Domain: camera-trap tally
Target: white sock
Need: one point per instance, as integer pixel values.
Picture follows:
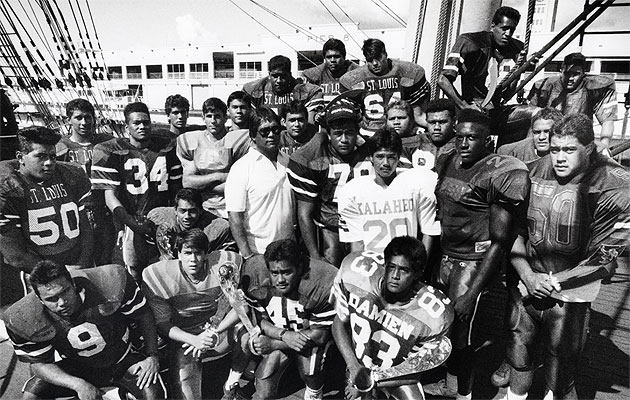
(464, 396)
(513, 396)
(233, 378)
(314, 393)
(451, 381)
(549, 395)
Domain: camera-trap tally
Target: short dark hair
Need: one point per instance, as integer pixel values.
(81, 105)
(261, 115)
(401, 105)
(213, 104)
(279, 62)
(194, 238)
(176, 100)
(46, 271)
(385, 138)
(373, 49)
(410, 248)
(579, 126)
(507, 12)
(334, 44)
(439, 105)
(287, 250)
(239, 95)
(36, 135)
(135, 107)
(475, 117)
(547, 113)
(293, 107)
(190, 195)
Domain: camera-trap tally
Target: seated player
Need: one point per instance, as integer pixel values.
(374, 209)
(187, 214)
(319, 170)
(371, 292)
(383, 81)
(297, 132)
(83, 315)
(561, 265)
(185, 296)
(295, 318)
(42, 205)
(537, 144)
(418, 150)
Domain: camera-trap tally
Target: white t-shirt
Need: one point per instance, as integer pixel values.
(261, 190)
(374, 215)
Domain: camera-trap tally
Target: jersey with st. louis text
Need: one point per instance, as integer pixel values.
(309, 310)
(316, 174)
(46, 214)
(262, 94)
(78, 153)
(404, 80)
(321, 76)
(464, 197)
(383, 334)
(143, 178)
(374, 215)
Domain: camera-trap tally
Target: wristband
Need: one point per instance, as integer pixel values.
(282, 332)
(249, 256)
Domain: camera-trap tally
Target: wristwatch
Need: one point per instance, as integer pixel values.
(282, 332)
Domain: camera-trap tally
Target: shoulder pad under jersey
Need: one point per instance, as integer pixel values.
(27, 319)
(106, 283)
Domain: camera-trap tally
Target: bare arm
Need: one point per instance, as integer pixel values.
(214, 180)
(538, 284)
(420, 117)
(87, 240)
(148, 369)
(430, 244)
(343, 339)
(306, 212)
(237, 226)
(16, 253)
(608, 128)
(357, 246)
(51, 373)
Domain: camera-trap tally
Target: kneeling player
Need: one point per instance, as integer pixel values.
(84, 316)
(185, 295)
(385, 313)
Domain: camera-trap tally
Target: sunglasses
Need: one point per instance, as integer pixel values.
(270, 129)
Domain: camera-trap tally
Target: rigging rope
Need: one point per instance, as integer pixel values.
(420, 25)
(351, 20)
(393, 16)
(440, 47)
(340, 24)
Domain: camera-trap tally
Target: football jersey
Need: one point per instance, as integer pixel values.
(322, 77)
(404, 80)
(210, 155)
(374, 215)
(418, 151)
(78, 153)
(464, 197)
(143, 178)
(178, 301)
(524, 150)
(316, 174)
(46, 214)
(571, 222)
(97, 335)
(384, 334)
(310, 309)
(262, 94)
(595, 95)
(288, 145)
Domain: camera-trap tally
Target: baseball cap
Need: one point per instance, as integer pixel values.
(342, 109)
(574, 59)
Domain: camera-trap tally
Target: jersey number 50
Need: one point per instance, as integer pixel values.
(44, 230)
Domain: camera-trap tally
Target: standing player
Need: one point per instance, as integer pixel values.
(239, 110)
(384, 81)
(280, 88)
(177, 107)
(185, 294)
(537, 145)
(370, 292)
(375, 209)
(327, 74)
(297, 132)
(586, 197)
(575, 92)
(42, 205)
(208, 155)
(319, 170)
(441, 117)
(478, 196)
(417, 149)
(84, 316)
(136, 176)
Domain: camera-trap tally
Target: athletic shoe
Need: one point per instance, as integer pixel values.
(440, 389)
(501, 377)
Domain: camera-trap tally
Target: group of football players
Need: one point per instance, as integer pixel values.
(342, 207)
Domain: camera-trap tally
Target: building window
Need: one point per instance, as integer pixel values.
(199, 71)
(223, 65)
(154, 71)
(175, 71)
(619, 67)
(114, 72)
(134, 72)
(250, 69)
(304, 63)
(136, 92)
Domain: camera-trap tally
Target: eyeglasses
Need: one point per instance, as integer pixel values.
(565, 149)
(276, 130)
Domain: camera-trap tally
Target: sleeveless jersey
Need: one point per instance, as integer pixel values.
(374, 215)
(262, 94)
(321, 76)
(77, 153)
(311, 309)
(464, 197)
(46, 214)
(97, 335)
(384, 334)
(404, 80)
(316, 174)
(177, 300)
(144, 178)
